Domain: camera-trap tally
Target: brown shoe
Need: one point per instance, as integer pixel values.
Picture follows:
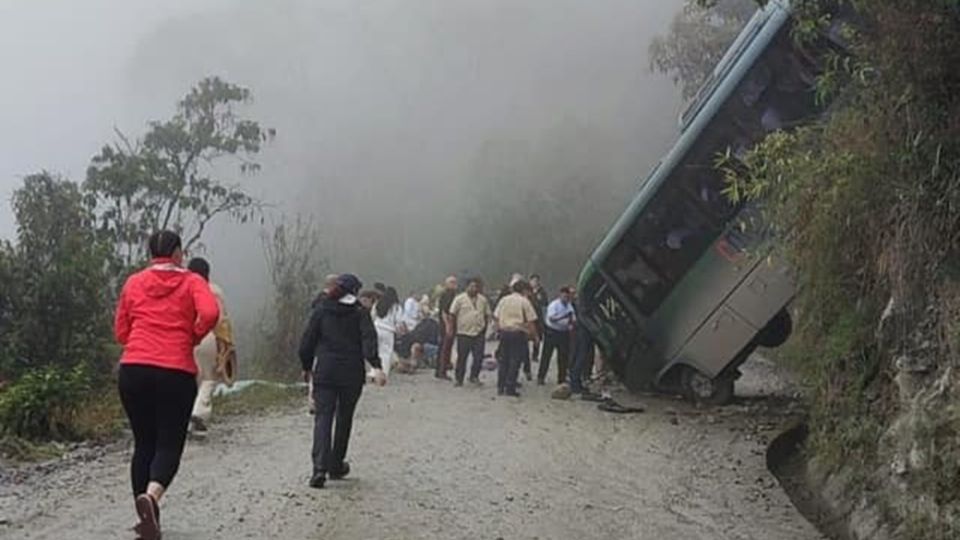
(149, 526)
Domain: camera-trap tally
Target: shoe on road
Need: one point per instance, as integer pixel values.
(591, 396)
(475, 381)
(318, 480)
(148, 511)
(341, 473)
(197, 424)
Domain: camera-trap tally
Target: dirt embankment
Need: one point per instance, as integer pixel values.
(433, 461)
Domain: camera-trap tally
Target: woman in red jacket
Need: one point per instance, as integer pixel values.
(163, 313)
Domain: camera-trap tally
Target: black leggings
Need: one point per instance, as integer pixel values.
(158, 403)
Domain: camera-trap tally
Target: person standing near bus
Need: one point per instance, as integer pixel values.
(559, 324)
(446, 324)
(471, 316)
(339, 338)
(540, 300)
(516, 322)
(163, 312)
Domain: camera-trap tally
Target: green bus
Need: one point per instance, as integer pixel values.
(676, 296)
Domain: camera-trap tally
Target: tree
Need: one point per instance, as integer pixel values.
(53, 309)
(698, 37)
(296, 271)
(169, 178)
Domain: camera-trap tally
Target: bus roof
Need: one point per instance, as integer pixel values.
(730, 71)
(726, 63)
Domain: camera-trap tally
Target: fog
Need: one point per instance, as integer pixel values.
(399, 122)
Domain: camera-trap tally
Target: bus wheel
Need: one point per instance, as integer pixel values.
(776, 332)
(703, 390)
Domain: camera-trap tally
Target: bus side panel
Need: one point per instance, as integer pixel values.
(717, 342)
(764, 293)
(708, 283)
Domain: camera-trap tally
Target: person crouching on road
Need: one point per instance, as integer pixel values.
(340, 336)
(516, 322)
(163, 312)
(216, 354)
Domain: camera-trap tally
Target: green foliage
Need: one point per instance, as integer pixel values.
(866, 207)
(698, 37)
(74, 245)
(54, 316)
(44, 402)
(168, 179)
(52, 307)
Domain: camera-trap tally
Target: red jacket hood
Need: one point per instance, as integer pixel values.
(164, 278)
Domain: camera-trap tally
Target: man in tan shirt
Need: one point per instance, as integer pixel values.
(517, 323)
(216, 355)
(471, 315)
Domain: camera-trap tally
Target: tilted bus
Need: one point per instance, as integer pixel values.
(676, 295)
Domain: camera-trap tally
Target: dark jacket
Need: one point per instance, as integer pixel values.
(340, 337)
(541, 303)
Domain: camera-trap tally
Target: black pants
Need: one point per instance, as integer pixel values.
(527, 364)
(443, 355)
(583, 353)
(534, 356)
(561, 342)
(158, 403)
(329, 449)
(513, 349)
(469, 346)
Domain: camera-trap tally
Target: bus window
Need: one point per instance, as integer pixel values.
(636, 277)
(672, 233)
(705, 185)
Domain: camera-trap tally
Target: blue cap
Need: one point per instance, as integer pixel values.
(349, 283)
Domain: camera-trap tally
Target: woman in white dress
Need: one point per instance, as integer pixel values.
(388, 320)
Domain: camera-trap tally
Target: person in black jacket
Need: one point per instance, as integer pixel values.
(340, 336)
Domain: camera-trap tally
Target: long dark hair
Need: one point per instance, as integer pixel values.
(387, 301)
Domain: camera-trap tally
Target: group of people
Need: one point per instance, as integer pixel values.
(178, 344)
(526, 323)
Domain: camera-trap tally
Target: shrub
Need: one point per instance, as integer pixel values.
(44, 403)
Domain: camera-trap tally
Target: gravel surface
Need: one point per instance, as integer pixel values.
(432, 461)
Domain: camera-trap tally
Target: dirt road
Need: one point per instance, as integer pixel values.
(436, 462)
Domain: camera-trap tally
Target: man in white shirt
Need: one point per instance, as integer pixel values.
(559, 322)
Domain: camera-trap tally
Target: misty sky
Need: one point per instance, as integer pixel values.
(382, 107)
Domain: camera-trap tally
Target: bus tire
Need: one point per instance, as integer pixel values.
(777, 330)
(702, 390)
